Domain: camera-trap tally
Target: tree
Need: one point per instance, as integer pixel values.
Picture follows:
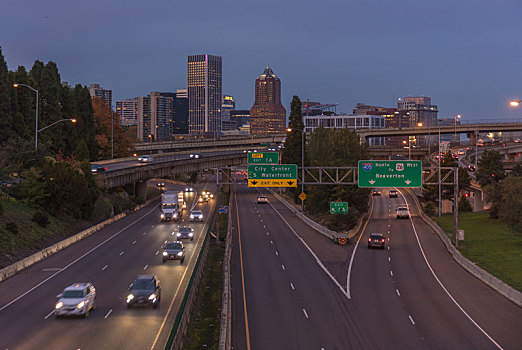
(490, 169)
(517, 171)
(511, 203)
(81, 152)
(292, 151)
(6, 117)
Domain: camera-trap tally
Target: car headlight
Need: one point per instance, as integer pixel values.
(179, 234)
(152, 296)
(162, 216)
(80, 304)
(190, 234)
(58, 305)
(180, 254)
(130, 297)
(165, 253)
(192, 216)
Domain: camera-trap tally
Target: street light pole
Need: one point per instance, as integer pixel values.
(440, 187)
(302, 168)
(37, 99)
(112, 133)
(457, 116)
(56, 122)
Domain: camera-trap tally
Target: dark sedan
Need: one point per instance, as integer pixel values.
(376, 240)
(145, 290)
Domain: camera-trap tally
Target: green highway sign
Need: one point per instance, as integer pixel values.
(263, 157)
(338, 207)
(272, 171)
(390, 173)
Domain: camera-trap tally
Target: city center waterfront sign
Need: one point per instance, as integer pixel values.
(390, 173)
(263, 157)
(272, 175)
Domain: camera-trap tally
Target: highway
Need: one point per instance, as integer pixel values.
(410, 295)
(110, 259)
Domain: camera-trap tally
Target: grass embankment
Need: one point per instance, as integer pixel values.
(490, 244)
(203, 330)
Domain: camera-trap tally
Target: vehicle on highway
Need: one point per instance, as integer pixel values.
(376, 240)
(97, 168)
(145, 159)
(174, 251)
(262, 200)
(196, 215)
(376, 193)
(203, 199)
(160, 184)
(516, 140)
(208, 194)
(403, 213)
(393, 194)
(189, 189)
(185, 232)
(170, 206)
(145, 290)
(471, 167)
(76, 300)
(195, 155)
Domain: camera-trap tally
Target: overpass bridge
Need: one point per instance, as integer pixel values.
(471, 130)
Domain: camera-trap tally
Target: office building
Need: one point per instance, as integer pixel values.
(128, 111)
(420, 110)
(97, 91)
(180, 112)
(145, 123)
(204, 81)
(267, 115)
(352, 122)
(229, 104)
(161, 113)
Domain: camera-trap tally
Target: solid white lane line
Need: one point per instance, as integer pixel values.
(157, 252)
(391, 273)
(108, 313)
(121, 253)
(306, 315)
(74, 261)
(277, 253)
(146, 267)
(134, 242)
(49, 314)
(283, 266)
(399, 294)
(103, 268)
(166, 241)
(411, 319)
(292, 285)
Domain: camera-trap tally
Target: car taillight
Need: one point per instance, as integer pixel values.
(369, 239)
(382, 240)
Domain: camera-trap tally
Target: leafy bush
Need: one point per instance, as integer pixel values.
(102, 210)
(12, 227)
(1, 209)
(41, 218)
(464, 205)
(429, 208)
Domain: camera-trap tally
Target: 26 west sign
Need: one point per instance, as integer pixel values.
(390, 173)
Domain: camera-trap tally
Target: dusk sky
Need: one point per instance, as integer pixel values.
(465, 54)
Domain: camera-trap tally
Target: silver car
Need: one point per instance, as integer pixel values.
(196, 215)
(76, 300)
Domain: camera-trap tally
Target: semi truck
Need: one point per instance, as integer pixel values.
(170, 207)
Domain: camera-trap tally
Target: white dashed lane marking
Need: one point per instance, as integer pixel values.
(292, 285)
(121, 253)
(146, 267)
(306, 315)
(108, 313)
(391, 273)
(103, 268)
(277, 253)
(283, 266)
(411, 319)
(134, 242)
(399, 294)
(49, 314)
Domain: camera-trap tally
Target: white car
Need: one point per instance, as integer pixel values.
(262, 200)
(403, 213)
(76, 300)
(145, 159)
(189, 189)
(195, 155)
(196, 215)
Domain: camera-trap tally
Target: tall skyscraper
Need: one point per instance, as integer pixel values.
(128, 111)
(267, 115)
(97, 91)
(229, 104)
(180, 113)
(145, 123)
(204, 81)
(420, 110)
(161, 113)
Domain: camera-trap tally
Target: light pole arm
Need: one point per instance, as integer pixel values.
(27, 86)
(61, 120)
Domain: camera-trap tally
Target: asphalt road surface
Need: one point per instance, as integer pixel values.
(110, 259)
(411, 295)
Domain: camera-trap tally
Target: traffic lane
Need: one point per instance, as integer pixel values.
(15, 286)
(499, 317)
(77, 275)
(318, 309)
(332, 255)
(374, 294)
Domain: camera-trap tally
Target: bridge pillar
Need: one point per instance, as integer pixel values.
(472, 138)
(476, 200)
(226, 175)
(141, 189)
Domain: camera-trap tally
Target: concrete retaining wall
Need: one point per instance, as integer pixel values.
(42, 254)
(225, 332)
(512, 294)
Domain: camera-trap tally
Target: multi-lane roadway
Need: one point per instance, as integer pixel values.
(110, 259)
(295, 289)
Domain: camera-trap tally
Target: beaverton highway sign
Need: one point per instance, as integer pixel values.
(272, 175)
(390, 173)
(263, 157)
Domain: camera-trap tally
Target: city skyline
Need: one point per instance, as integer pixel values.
(464, 55)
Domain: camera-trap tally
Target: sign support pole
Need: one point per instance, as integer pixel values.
(456, 207)
(302, 168)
